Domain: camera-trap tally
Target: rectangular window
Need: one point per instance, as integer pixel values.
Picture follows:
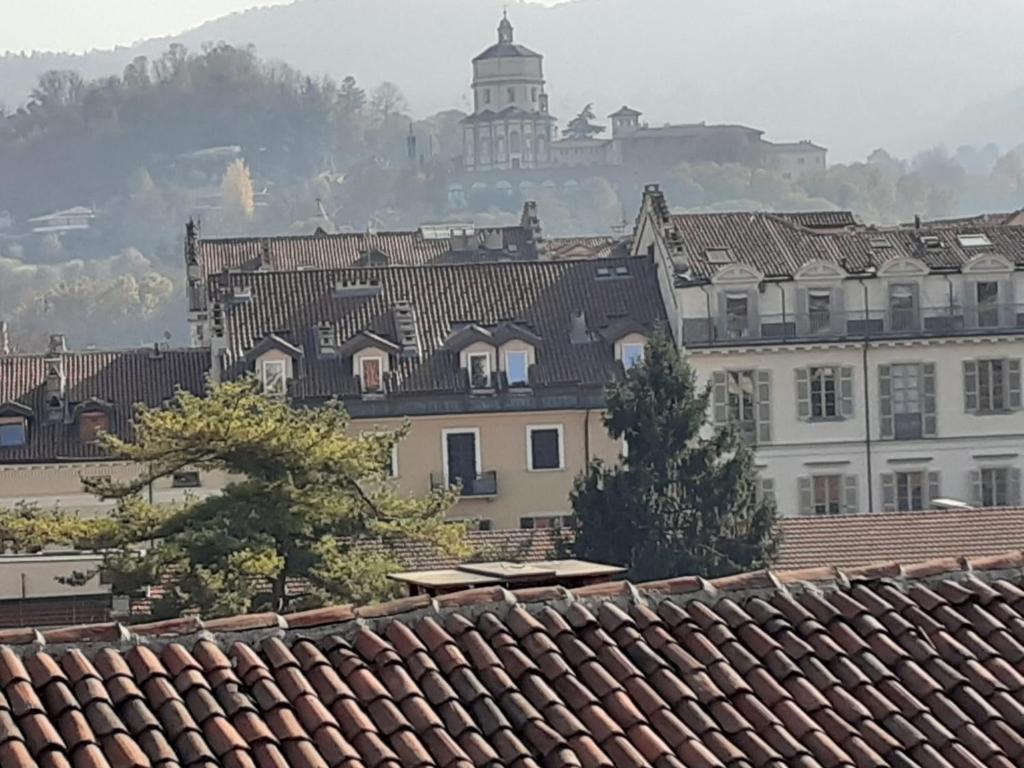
(13, 433)
(479, 370)
(511, 95)
(185, 480)
(987, 294)
(533, 94)
(910, 494)
(545, 448)
(741, 412)
(995, 487)
(827, 490)
(370, 374)
(90, 425)
(517, 368)
(736, 316)
(903, 307)
(632, 355)
(823, 392)
(487, 95)
(274, 377)
(533, 522)
(819, 311)
(906, 401)
(992, 386)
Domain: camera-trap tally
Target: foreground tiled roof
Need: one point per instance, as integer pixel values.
(852, 540)
(914, 666)
(122, 379)
(326, 251)
(540, 296)
(779, 244)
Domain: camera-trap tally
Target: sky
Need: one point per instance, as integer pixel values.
(82, 25)
(79, 25)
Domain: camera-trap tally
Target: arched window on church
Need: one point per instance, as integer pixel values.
(541, 151)
(485, 149)
(533, 95)
(501, 148)
(513, 143)
(511, 94)
(487, 95)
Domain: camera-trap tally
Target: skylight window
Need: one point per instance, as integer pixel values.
(719, 256)
(974, 240)
(879, 242)
(931, 241)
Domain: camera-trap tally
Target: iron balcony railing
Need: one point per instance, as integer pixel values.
(857, 324)
(484, 484)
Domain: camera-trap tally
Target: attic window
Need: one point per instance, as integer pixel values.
(13, 432)
(91, 424)
(604, 273)
(186, 479)
(621, 271)
(974, 240)
(325, 338)
(931, 241)
(718, 256)
(879, 242)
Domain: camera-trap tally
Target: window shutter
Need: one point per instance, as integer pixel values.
(803, 320)
(929, 426)
(1007, 309)
(846, 392)
(723, 322)
(970, 386)
(763, 379)
(933, 489)
(915, 291)
(969, 302)
(806, 497)
(753, 317)
(720, 397)
(767, 489)
(803, 394)
(850, 505)
(1013, 382)
(838, 310)
(885, 401)
(974, 481)
(889, 492)
(1013, 481)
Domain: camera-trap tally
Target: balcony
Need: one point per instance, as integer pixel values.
(858, 324)
(481, 486)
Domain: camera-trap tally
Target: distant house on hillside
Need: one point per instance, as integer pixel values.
(79, 218)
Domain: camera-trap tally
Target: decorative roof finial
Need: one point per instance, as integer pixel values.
(505, 28)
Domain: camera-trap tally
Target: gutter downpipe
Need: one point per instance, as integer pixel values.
(867, 401)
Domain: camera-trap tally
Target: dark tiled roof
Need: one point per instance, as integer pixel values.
(778, 244)
(521, 546)
(324, 251)
(916, 667)
(541, 296)
(851, 540)
(120, 378)
(507, 50)
(596, 247)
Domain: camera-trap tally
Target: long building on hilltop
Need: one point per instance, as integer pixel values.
(874, 369)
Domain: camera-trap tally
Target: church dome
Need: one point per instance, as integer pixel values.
(506, 47)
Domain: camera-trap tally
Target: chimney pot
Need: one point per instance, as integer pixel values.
(57, 344)
(5, 339)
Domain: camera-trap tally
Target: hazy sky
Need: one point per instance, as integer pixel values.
(76, 25)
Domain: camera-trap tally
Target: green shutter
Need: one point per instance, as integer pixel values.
(889, 492)
(763, 404)
(846, 392)
(970, 386)
(974, 482)
(803, 394)
(929, 425)
(933, 489)
(720, 397)
(1013, 383)
(766, 487)
(850, 504)
(1013, 481)
(806, 496)
(886, 421)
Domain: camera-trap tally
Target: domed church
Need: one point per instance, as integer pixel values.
(510, 127)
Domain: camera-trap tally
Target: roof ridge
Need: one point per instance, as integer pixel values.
(340, 619)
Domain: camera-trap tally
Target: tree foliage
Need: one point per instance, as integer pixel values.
(236, 191)
(281, 536)
(683, 501)
(582, 126)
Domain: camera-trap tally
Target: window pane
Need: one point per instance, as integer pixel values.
(823, 393)
(516, 368)
(544, 449)
(371, 375)
(909, 491)
(819, 305)
(826, 495)
(12, 435)
(736, 316)
(273, 377)
(632, 354)
(479, 371)
(90, 425)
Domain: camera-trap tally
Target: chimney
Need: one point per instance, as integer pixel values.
(917, 221)
(156, 353)
(494, 240)
(5, 339)
(530, 221)
(578, 333)
(55, 386)
(265, 253)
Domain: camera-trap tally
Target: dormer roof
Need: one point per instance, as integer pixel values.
(272, 342)
(367, 340)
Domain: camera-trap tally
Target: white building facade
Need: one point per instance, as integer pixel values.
(874, 370)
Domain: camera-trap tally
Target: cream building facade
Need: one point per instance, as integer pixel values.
(873, 369)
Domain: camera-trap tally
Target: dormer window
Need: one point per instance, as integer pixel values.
(819, 310)
(737, 315)
(91, 424)
(479, 367)
(325, 338)
(632, 354)
(13, 432)
(274, 375)
(988, 303)
(371, 375)
(517, 368)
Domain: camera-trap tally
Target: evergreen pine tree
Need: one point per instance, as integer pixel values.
(683, 501)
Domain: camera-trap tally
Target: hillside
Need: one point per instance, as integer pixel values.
(796, 68)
